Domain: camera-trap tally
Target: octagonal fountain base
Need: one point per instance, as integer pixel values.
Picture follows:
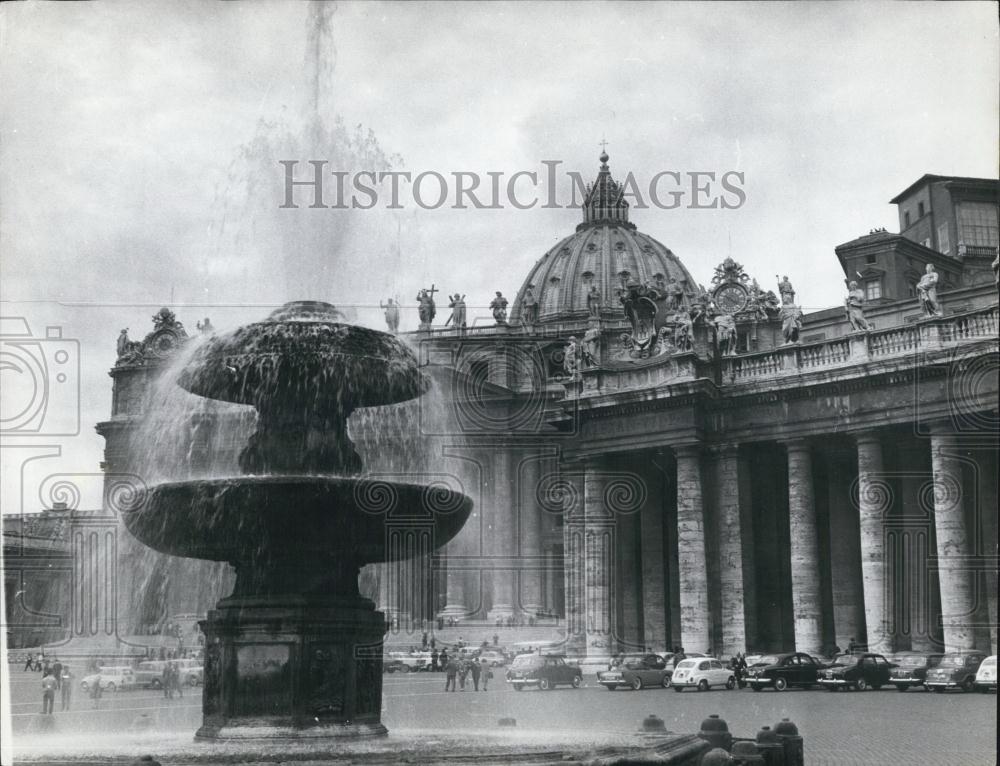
(307, 670)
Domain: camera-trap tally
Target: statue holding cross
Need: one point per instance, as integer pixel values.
(427, 307)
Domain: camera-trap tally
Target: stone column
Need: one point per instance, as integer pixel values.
(500, 528)
(845, 553)
(653, 580)
(550, 579)
(734, 637)
(806, 604)
(529, 524)
(573, 554)
(691, 555)
(455, 603)
(954, 564)
(599, 564)
(874, 501)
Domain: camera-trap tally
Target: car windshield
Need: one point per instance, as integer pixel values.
(953, 661)
(687, 664)
(911, 660)
(524, 661)
(767, 659)
(989, 662)
(846, 660)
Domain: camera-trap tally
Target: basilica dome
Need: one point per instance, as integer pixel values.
(606, 250)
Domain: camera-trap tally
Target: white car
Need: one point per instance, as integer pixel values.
(702, 673)
(112, 679)
(986, 676)
(493, 657)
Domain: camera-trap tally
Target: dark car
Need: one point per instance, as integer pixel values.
(857, 671)
(543, 671)
(911, 669)
(636, 671)
(955, 671)
(784, 670)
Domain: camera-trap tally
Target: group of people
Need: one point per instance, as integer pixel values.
(55, 678)
(459, 668)
(170, 680)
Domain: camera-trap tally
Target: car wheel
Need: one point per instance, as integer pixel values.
(832, 688)
(111, 687)
(84, 686)
(902, 687)
(577, 682)
(610, 687)
(968, 684)
(731, 683)
(755, 687)
(939, 690)
(780, 684)
(636, 684)
(666, 682)
(678, 689)
(543, 684)
(518, 687)
(860, 685)
(156, 683)
(404, 669)
(703, 685)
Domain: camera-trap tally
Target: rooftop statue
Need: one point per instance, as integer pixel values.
(391, 308)
(427, 308)
(592, 347)
(927, 292)
(594, 302)
(499, 308)
(786, 291)
(456, 303)
(205, 327)
(855, 305)
(725, 333)
(529, 307)
(791, 322)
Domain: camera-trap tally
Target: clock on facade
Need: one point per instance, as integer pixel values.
(731, 298)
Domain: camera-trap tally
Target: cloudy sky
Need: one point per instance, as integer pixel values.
(139, 148)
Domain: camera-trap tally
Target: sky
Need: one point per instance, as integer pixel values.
(140, 147)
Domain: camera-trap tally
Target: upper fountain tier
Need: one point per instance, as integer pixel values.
(305, 372)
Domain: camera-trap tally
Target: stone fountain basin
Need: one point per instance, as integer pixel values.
(242, 518)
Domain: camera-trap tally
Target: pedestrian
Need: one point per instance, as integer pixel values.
(48, 693)
(167, 681)
(66, 686)
(476, 670)
(29, 663)
(95, 690)
(178, 684)
(57, 671)
(496, 640)
(46, 669)
(487, 673)
(434, 661)
(463, 673)
(423, 641)
(851, 646)
(451, 671)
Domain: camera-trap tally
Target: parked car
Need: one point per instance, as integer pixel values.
(149, 674)
(955, 671)
(543, 671)
(636, 671)
(494, 657)
(193, 676)
(702, 674)
(911, 669)
(783, 670)
(413, 661)
(856, 671)
(674, 660)
(112, 679)
(391, 665)
(986, 676)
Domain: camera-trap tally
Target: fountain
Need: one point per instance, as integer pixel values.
(295, 651)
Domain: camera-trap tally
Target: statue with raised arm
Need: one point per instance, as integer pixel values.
(927, 292)
(855, 305)
(427, 308)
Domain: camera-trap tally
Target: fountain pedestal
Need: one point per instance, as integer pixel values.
(280, 670)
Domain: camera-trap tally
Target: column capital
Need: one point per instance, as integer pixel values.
(941, 429)
(730, 449)
(868, 436)
(688, 450)
(797, 444)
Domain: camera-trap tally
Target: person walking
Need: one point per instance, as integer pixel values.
(178, 681)
(476, 670)
(451, 671)
(96, 690)
(434, 661)
(29, 664)
(48, 693)
(66, 687)
(57, 671)
(487, 673)
(167, 682)
(463, 672)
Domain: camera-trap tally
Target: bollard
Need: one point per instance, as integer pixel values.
(788, 736)
(745, 753)
(716, 757)
(653, 724)
(508, 722)
(715, 731)
(769, 747)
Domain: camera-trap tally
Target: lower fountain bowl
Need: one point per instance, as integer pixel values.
(236, 519)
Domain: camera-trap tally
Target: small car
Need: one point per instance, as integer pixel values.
(986, 676)
(149, 674)
(544, 671)
(783, 670)
(112, 679)
(193, 676)
(856, 671)
(955, 671)
(494, 657)
(702, 674)
(390, 665)
(911, 669)
(636, 671)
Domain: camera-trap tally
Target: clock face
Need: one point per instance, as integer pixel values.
(731, 298)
